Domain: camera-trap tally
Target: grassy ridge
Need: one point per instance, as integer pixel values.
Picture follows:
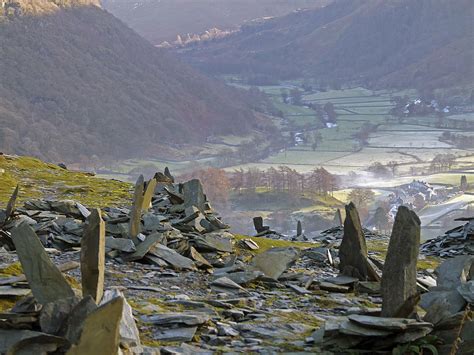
(42, 180)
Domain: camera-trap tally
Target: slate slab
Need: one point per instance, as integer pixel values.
(45, 280)
(93, 256)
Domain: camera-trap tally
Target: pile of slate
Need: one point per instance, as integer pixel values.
(168, 224)
(446, 301)
(457, 241)
(335, 234)
(53, 318)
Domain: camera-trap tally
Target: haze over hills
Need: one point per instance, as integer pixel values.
(78, 82)
(403, 43)
(163, 20)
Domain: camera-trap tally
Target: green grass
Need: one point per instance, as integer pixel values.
(266, 243)
(42, 180)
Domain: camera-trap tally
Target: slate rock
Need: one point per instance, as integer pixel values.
(399, 288)
(467, 291)
(174, 259)
(455, 271)
(45, 280)
(136, 212)
(72, 326)
(353, 249)
(214, 242)
(193, 195)
(185, 318)
(120, 244)
(101, 330)
(93, 256)
(245, 277)
(129, 334)
(148, 194)
(54, 314)
(144, 247)
(441, 305)
(275, 261)
(174, 334)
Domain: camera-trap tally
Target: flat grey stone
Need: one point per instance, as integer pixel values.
(174, 259)
(168, 319)
(10, 291)
(174, 334)
(120, 244)
(275, 261)
(214, 242)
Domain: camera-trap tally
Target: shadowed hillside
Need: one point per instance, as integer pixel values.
(403, 43)
(79, 83)
(163, 20)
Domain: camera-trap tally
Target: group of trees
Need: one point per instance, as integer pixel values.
(442, 162)
(284, 179)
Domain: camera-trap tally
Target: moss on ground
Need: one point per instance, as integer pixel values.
(266, 243)
(6, 304)
(14, 269)
(38, 179)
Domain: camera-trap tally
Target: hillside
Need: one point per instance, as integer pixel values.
(78, 83)
(163, 20)
(38, 179)
(423, 44)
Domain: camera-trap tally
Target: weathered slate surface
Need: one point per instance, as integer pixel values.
(11, 203)
(136, 212)
(45, 280)
(194, 195)
(93, 256)
(148, 194)
(100, 333)
(399, 290)
(275, 261)
(353, 249)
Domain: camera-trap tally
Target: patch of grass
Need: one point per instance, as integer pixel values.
(6, 304)
(38, 179)
(430, 262)
(14, 269)
(266, 243)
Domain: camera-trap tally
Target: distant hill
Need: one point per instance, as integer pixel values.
(163, 20)
(398, 43)
(77, 82)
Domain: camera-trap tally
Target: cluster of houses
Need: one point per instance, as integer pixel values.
(416, 195)
(420, 107)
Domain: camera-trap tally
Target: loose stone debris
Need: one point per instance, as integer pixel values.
(166, 276)
(457, 241)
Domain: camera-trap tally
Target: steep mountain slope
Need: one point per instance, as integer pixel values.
(422, 43)
(163, 20)
(78, 82)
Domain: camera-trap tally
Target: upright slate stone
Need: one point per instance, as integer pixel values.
(353, 249)
(11, 203)
(168, 174)
(399, 290)
(136, 212)
(299, 229)
(148, 194)
(93, 257)
(258, 225)
(194, 195)
(100, 331)
(45, 280)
